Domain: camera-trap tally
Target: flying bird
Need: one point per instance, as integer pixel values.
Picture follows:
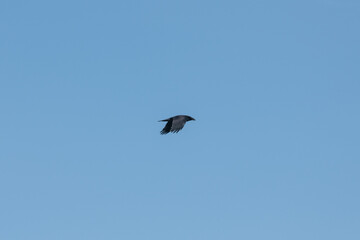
(175, 124)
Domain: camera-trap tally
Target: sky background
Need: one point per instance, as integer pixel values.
(274, 87)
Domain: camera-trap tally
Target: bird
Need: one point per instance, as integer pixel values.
(175, 124)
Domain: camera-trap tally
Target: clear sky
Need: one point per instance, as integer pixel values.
(274, 87)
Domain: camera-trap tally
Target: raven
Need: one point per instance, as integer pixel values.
(175, 124)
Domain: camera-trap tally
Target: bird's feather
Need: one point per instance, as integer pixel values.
(167, 127)
(177, 125)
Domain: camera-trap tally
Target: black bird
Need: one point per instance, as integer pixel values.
(175, 124)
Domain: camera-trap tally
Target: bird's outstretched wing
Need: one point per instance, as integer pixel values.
(177, 125)
(167, 127)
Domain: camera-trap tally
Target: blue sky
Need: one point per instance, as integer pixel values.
(274, 87)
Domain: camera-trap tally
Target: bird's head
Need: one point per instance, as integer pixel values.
(190, 118)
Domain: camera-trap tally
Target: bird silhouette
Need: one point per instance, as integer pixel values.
(175, 124)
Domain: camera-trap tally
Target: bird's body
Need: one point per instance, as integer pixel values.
(175, 124)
